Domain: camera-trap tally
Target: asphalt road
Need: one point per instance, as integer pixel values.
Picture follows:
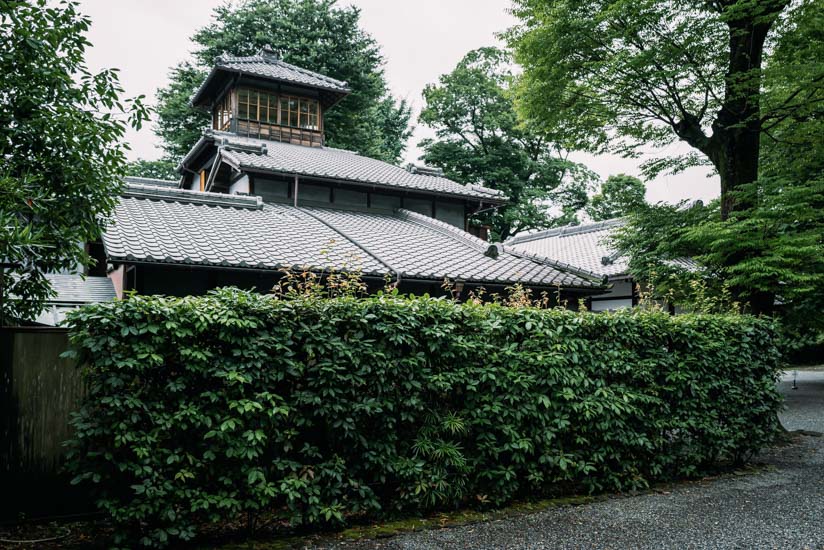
(781, 508)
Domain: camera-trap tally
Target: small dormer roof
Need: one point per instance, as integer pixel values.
(266, 65)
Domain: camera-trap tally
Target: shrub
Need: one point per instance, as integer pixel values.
(204, 409)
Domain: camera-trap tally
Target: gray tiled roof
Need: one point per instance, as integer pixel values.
(74, 289)
(583, 246)
(188, 227)
(151, 181)
(267, 65)
(337, 164)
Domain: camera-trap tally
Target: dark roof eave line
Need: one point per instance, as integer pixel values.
(208, 265)
(329, 88)
(370, 274)
(201, 143)
(201, 89)
(561, 266)
(384, 186)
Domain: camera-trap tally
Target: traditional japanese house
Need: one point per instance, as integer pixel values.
(260, 191)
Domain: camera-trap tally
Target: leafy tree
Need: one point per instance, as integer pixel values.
(616, 75)
(315, 34)
(179, 124)
(60, 140)
(774, 246)
(479, 140)
(780, 235)
(161, 169)
(620, 195)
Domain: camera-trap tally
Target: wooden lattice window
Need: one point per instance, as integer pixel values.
(292, 111)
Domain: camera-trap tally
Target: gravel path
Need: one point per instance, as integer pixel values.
(782, 508)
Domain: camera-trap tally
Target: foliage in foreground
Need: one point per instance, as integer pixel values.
(777, 244)
(61, 128)
(206, 409)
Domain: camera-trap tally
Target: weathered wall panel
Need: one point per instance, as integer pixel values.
(38, 392)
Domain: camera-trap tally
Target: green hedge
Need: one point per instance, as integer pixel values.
(212, 408)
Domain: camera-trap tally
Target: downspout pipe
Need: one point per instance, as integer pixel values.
(295, 191)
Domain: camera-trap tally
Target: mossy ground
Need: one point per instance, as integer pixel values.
(400, 526)
(459, 518)
(94, 533)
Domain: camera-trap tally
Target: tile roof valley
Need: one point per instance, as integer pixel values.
(212, 229)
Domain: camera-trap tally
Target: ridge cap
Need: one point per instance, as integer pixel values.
(449, 230)
(561, 266)
(484, 189)
(349, 238)
(141, 180)
(151, 192)
(567, 230)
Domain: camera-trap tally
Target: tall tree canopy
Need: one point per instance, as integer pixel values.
(61, 128)
(315, 34)
(619, 195)
(775, 245)
(615, 75)
(479, 140)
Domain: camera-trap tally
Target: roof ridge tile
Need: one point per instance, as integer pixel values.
(566, 230)
(158, 182)
(351, 239)
(562, 266)
(447, 229)
(152, 192)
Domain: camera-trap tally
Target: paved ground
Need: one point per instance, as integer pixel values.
(781, 509)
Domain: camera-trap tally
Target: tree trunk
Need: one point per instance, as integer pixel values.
(736, 140)
(736, 161)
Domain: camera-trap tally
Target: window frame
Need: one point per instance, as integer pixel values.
(293, 111)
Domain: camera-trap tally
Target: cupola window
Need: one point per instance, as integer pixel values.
(283, 110)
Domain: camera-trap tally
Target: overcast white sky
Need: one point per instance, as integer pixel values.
(421, 39)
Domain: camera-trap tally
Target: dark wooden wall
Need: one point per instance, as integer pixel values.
(38, 392)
